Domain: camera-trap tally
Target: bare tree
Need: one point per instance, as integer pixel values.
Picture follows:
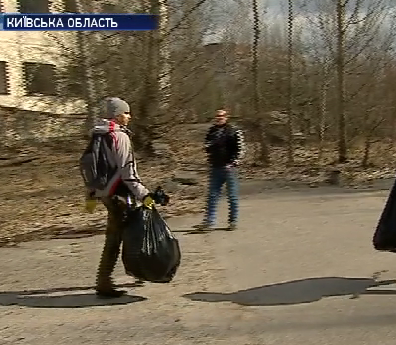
(342, 143)
(264, 150)
(290, 27)
(344, 32)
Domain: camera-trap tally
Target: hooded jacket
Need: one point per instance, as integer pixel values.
(121, 156)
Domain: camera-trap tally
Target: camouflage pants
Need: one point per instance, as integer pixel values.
(112, 246)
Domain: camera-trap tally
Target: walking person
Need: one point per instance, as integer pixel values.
(224, 146)
(122, 180)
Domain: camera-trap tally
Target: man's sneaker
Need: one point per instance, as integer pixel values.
(139, 282)
(203, 227)
(111, 293)
(232, 226)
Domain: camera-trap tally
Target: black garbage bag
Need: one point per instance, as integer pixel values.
(385, 234)
(150, 252)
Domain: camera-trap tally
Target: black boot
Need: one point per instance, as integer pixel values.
(110, 293)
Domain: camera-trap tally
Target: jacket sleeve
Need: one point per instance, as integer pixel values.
(240, 149)
(209, 140)
(126, 162)
(208, 144)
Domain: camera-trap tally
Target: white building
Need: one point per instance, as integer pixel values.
(29, 62)
(32, 103)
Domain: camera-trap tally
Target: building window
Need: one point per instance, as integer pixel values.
(40, 79)
(73, 81)
(4, 86)
(70, 6)
(34, 6)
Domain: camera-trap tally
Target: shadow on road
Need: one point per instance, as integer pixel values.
(64, 298)
(81, 300)
(295, 292)
(199, 232)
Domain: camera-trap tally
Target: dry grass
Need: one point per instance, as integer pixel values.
(45, 197)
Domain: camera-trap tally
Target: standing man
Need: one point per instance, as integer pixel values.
(224, 145)
(122, 180)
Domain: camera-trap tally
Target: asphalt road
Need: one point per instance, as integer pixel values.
(300, 270)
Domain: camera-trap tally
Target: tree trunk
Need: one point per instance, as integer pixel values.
(164, 60)
(290, 23)
(143, 132)
(322, 119)
(393, 129)
(342, 143)
(160, 113)
(264, 155)
(367, 147)
(84, 45)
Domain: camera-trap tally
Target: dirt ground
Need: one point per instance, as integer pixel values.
(42, 190)
(43, 195)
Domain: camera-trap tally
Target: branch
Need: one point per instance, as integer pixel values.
(180, 22)
(352, 19)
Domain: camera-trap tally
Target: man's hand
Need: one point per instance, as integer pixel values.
(90, 205)
(148, 202)
(90, 201)
(158, 197)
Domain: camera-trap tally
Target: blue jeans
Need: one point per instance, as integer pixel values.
(217, 178)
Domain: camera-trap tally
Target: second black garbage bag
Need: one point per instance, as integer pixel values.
(385, 234)
(150, 251)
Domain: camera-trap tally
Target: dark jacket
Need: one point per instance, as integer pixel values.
(224, 145)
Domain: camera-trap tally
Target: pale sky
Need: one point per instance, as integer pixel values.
(273, 12)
